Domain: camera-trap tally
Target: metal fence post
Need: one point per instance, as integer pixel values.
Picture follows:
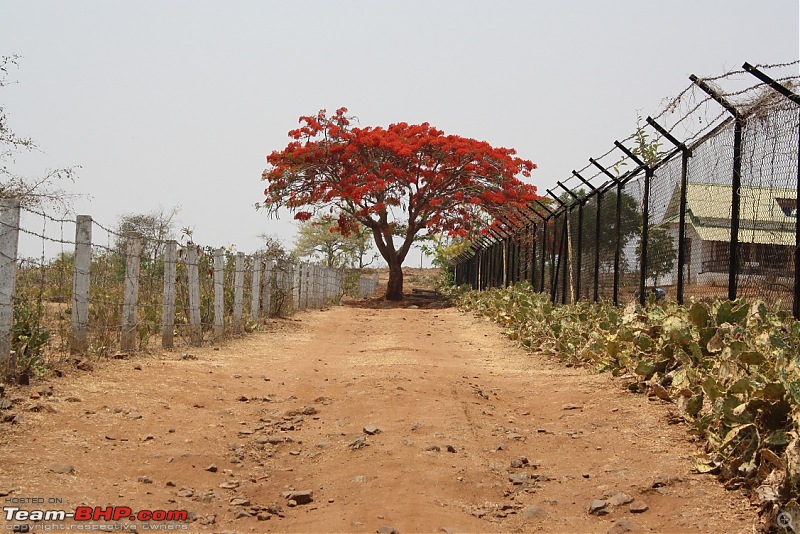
(736, 183)
(598, 220)
(794, 97)
(685, 155)
(617, 242)
(544, 254)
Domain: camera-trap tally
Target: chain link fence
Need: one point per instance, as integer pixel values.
(711, 216)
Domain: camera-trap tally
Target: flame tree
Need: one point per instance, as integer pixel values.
(398, 181)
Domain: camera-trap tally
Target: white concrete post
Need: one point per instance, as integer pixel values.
(280, 289)
(317, 286)
(325, 285)
(296, 287)
(255, 289)
(238, 292)
(168, 307)
(219, 293)
(193, 275)
(131, 296)
(9, 241)
(80, 284)
(266, 295)
(305, 282)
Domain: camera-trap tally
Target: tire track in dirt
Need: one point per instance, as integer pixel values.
(285, 410)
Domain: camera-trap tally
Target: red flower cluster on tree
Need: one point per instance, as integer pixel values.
(402, 179)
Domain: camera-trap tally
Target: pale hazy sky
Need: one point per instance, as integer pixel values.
(168, 103)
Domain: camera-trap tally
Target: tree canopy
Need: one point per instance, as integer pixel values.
(398, 181)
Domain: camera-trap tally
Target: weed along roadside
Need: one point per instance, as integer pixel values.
(728, 370)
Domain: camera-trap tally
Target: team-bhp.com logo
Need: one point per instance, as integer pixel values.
(15, 514)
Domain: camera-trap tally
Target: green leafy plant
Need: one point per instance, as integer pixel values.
(28, 337)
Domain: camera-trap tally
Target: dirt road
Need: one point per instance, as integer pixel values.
(419, 420)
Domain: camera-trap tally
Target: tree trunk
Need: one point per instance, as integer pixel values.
(394, 289)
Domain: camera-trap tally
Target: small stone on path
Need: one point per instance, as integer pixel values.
(622, 527)
(63, 469)
(620, 498)
(299, 497)
(598, 507)
(638, 507)
(532, 512)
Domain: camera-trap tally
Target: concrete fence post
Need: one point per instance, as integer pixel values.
(318, 286)
(312, 286)
(255, 289)
(219, 293)
(326, 275)
(279, 295)
(168, 307)
(238, 292)
(305, 281)
(193, 275)
(288, 288)
(296, 287)
(79, 342)
(266, 295)
(9, 241)
(280, 289)
(133, 258)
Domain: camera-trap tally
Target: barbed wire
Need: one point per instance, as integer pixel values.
(44, 215)
(697, 109)
(46, 283)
